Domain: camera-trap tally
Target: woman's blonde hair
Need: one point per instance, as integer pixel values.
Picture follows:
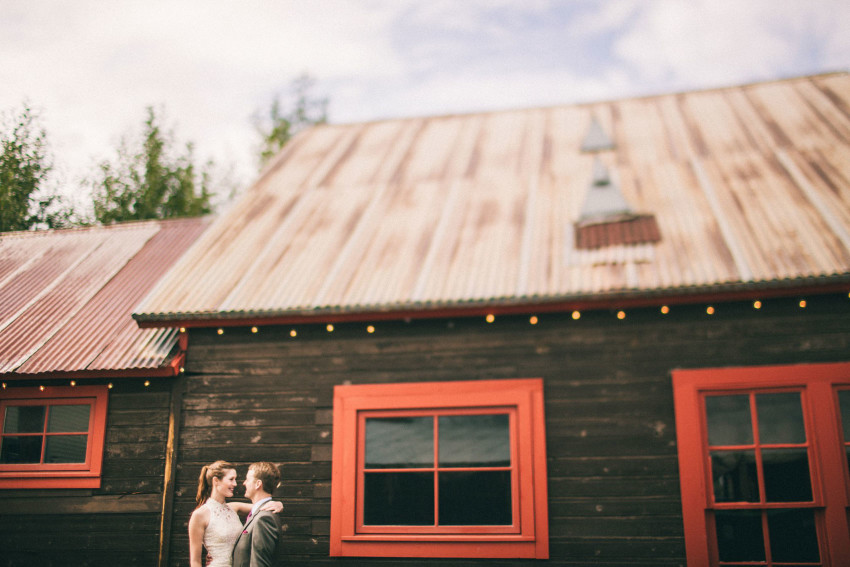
(208, 472)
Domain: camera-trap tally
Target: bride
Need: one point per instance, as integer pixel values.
(214, 524)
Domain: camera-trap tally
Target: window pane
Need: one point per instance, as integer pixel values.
(844, 402)
(474, 441)
(739, 535)
(793, 536)
(65, 449)
(399, 442)
(470, 498)
(786, 475)
(780, 418)
(398, 499)
(24, 419)
(729, 421)
(734, 475)
(72, 419)
(20, 450)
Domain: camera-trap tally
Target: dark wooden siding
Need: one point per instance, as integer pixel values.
(117, 524)
(612, 465)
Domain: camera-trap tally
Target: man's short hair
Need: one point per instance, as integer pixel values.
(268, 474)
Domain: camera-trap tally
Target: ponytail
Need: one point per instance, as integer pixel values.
(205, 480)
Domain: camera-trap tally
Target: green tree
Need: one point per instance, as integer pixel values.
(25, 200)
(151, 181)
(288, 117)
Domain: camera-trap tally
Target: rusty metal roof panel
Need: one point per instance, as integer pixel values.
(749, 185)
(66, 296)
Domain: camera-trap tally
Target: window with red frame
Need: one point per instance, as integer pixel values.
(763, 470)
(52, 438)
(453, 469)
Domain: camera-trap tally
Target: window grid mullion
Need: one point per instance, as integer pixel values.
(436, 471)
(44, 433)
(766, 538)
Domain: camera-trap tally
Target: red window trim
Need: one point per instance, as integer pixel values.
(819, 383)
(73, 475)
(522, 396)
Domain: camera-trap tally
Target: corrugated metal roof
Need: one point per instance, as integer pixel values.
(66, 296)
(749, 185)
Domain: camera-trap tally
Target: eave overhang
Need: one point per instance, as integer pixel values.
(615, 299)
(170, 369)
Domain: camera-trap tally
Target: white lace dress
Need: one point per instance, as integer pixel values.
(221, 534)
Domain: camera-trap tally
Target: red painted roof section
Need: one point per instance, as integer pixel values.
(66, 297)
(637, 229)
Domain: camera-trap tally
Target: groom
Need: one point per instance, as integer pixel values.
(257, 543)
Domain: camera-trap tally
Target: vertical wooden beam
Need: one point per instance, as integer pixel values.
(174, 420)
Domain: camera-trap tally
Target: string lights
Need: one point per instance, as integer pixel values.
(490, 318)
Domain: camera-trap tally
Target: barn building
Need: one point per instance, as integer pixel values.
(609, 334)
(86, 395)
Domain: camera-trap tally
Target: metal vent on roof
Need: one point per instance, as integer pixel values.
(604, 198)
(607, 219)
(596, 140)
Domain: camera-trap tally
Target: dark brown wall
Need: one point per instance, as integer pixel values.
(117, 524)
(612, 466)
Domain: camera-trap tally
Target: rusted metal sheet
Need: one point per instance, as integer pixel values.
(66, 296)
(748, 185)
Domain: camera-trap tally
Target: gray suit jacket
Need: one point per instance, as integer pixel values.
(257, 544)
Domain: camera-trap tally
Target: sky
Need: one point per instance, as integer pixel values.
(91, 67)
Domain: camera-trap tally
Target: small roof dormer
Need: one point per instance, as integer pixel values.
(606, 217)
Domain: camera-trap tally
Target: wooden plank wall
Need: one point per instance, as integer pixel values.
(612, 465)
(117, 524)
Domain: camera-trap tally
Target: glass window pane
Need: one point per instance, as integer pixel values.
(398, 499)
(65, 449)
(399, 442)
(739, 535)
(793, 536)
(729, 421)
(469, 498)
(474, 441)
(848, 457)
(734, 476)
(780, 418)
(844, 403)
(20, 450)
(71, 419)
(786, 475)
(24, 419)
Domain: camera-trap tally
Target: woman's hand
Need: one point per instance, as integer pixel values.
(274, 506)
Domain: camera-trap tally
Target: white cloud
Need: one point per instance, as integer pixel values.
(706, 42)
(92, 66)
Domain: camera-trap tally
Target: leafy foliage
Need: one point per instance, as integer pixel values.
(301, 111)
(151, 181)
(24, 168)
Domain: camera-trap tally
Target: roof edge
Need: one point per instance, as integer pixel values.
(169, 369)
(505, 305)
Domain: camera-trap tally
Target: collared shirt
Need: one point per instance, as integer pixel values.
(258, 505)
